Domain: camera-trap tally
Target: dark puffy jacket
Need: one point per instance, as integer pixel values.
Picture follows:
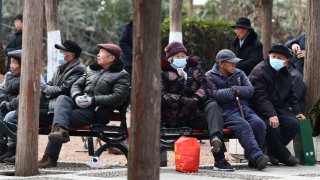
(299, 87)
(62, 80)
(221, 91)
(9, 91)
(180, 97)
(273, 91)
(15, 43)
(251, 52)
(298, 63)
(109, 87)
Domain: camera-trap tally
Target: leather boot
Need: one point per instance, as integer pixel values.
(59, 136)
(11, 160)
(10, 153)
(46, 162)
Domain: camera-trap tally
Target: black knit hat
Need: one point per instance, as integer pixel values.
(243, 22)
(281, 50)
(70, 46)
(173, 48)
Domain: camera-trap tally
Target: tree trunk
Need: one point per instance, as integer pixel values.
(311, 64)
(190, 8)
(53, 34)
(175, 20)
(144, 152)
(224, 9)
(28, 126)
(266, 32)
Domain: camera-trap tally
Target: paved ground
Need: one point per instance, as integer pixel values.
(68, 170)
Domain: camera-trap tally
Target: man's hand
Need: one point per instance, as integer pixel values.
(300, 116)
(295, 48)
(274, 121)
(83, 101)
(301, 54)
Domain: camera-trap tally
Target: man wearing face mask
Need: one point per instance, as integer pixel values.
(246, 45)
(186, 100)
(275, 102)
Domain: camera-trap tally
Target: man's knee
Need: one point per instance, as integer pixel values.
(212, 106)
(259, 124)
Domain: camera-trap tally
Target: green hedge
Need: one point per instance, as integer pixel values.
(202, 38)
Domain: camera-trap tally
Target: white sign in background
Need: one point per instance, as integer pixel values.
(54, 37)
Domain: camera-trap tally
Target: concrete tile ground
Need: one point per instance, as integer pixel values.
(79, 172)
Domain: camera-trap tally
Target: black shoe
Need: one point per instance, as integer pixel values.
(10, 161)
(8, 154)
(273, 160)
(261, 162)
(7, 131)
(3, 148)
(223, 165)
(215, 144)
(291, 161)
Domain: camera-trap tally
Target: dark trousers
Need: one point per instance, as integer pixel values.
(250, 130)
(67, 114)
(278, 138)
(210, 118)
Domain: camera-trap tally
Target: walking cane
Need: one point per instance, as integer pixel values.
(240, 107)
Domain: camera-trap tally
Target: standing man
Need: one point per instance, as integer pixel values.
(275, 102)
(16, 41)
(297, 45)
(126, 46)
(246, 45)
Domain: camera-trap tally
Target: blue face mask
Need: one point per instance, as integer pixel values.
(277, 64)
(60, 58)
(179, 63)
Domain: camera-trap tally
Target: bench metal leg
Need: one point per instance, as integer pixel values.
(121, 146)
(163, 158)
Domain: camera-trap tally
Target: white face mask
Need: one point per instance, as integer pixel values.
(277, 64)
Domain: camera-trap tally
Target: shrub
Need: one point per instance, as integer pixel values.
(202, 38)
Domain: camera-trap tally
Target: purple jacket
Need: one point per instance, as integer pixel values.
(221, 91)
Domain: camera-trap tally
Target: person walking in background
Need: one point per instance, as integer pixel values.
(16, 40)
(126, 46)
(246, 45)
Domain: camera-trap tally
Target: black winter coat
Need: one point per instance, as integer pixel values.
(15, 43)
(62, 80)
(273, 91)
(126, 46)
(109, 87)
(251, 52)
(9, 91)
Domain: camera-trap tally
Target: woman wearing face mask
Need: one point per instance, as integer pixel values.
(275, 102)
(186, 101)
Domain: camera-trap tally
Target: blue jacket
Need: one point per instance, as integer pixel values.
(220, 88)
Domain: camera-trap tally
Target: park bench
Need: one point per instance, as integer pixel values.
(170, 135)
(114, 136)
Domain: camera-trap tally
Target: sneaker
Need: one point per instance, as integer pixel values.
(6, 130)
(10, 161)
(215, 144)
(223, 165)
(46, 162)
(59, 136)
(291, 161)
(261, 162)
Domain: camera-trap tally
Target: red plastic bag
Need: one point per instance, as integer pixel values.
(187, 154)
